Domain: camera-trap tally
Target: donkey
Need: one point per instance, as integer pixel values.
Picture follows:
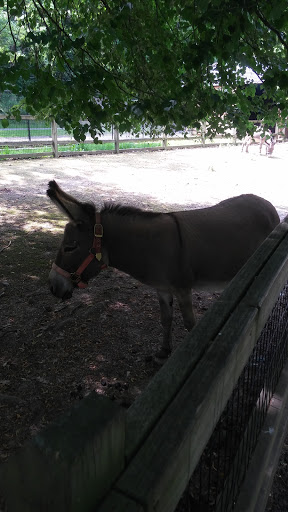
(172, 252)
(267, 140)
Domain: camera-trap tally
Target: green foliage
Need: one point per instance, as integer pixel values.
(110, 146)
(10, 102)
(5, 123)
(154, 63)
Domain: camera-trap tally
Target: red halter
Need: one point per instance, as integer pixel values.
(95, 252)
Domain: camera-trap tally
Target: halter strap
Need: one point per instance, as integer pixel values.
(95, 252)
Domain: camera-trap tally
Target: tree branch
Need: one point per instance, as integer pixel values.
(273, 29)
(10, 28)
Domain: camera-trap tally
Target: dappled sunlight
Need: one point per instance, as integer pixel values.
(91, 380)
(94, 385)
(27, 219)
(186, 178)
(85, 298)
(183, 178)
(34, 278)
(99, 390)
(42, 226)
(12, 179)
(116, 306)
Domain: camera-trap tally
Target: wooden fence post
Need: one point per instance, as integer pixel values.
(72, 464)
(29, 129)
(116, 139)
(203, 132)
(165, 141)
(54, 138)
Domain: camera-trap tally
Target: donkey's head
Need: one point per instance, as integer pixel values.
(79, 257)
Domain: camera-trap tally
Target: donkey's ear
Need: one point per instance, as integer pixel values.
(74, 209)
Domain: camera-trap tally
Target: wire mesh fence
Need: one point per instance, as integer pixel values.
(216, 482)
(33, 136)
(28, 129)
(28, 136)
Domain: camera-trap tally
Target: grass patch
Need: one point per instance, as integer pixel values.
(78, 147)
(23, 132)
(106, 146)
(24, 150)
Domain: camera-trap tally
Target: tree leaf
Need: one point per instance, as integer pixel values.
(5, 123)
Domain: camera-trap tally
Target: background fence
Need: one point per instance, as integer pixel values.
(216, 411)
(32, 137)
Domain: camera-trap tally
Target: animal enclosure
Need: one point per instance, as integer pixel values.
(161, 438)
(203, 177)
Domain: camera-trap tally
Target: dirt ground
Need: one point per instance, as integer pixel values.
(54, 353)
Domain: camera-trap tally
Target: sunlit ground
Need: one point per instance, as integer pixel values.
(162, 180)
(30, 220)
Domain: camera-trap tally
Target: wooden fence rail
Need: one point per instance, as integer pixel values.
(198, 139)
(195, 139)
(99, 457)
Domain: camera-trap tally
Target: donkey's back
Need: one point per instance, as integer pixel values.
(214, 244)
(217, 241)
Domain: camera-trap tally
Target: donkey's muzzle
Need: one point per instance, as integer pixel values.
(57, 293)
(60, 286)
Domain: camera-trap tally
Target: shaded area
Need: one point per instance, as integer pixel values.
(216, 481)
(53, 353)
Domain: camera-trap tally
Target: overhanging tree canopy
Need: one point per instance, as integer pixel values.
(158, 63)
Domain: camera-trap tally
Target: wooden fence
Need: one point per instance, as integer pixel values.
(194, 139)
(99, 457)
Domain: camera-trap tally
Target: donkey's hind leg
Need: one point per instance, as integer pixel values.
(166, 314)
(184, 298)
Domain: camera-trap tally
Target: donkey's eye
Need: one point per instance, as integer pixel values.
(70, 248)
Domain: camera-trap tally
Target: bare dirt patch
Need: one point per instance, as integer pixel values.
(53, 353)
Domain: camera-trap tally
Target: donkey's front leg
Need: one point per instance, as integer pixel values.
(184, 298)
(166, 314)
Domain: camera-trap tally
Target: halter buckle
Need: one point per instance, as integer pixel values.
(75, 278)
(98, 234)
(98, 230)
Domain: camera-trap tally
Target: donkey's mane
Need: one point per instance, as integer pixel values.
(128, 211)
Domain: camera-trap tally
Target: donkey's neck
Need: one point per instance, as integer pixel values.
(129, 236)
(137, 243)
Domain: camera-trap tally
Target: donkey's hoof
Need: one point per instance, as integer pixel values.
(162, 356)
